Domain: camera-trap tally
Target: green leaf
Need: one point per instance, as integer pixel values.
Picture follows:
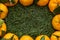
(11, 1)
(1, 22)
(3, 32)
(42, 38)
(57, 10)
(3, 1)
(4, 39)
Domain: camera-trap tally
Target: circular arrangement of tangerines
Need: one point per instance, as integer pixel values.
(54, 7)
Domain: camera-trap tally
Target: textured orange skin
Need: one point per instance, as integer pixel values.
(39, 37)
(53, 4)
(5, 11)
(9, 4)
(26, 37)
(42, 2)
(9, 35)
(56, 22)
(54, 37)
(3, 28)
(26, 2)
